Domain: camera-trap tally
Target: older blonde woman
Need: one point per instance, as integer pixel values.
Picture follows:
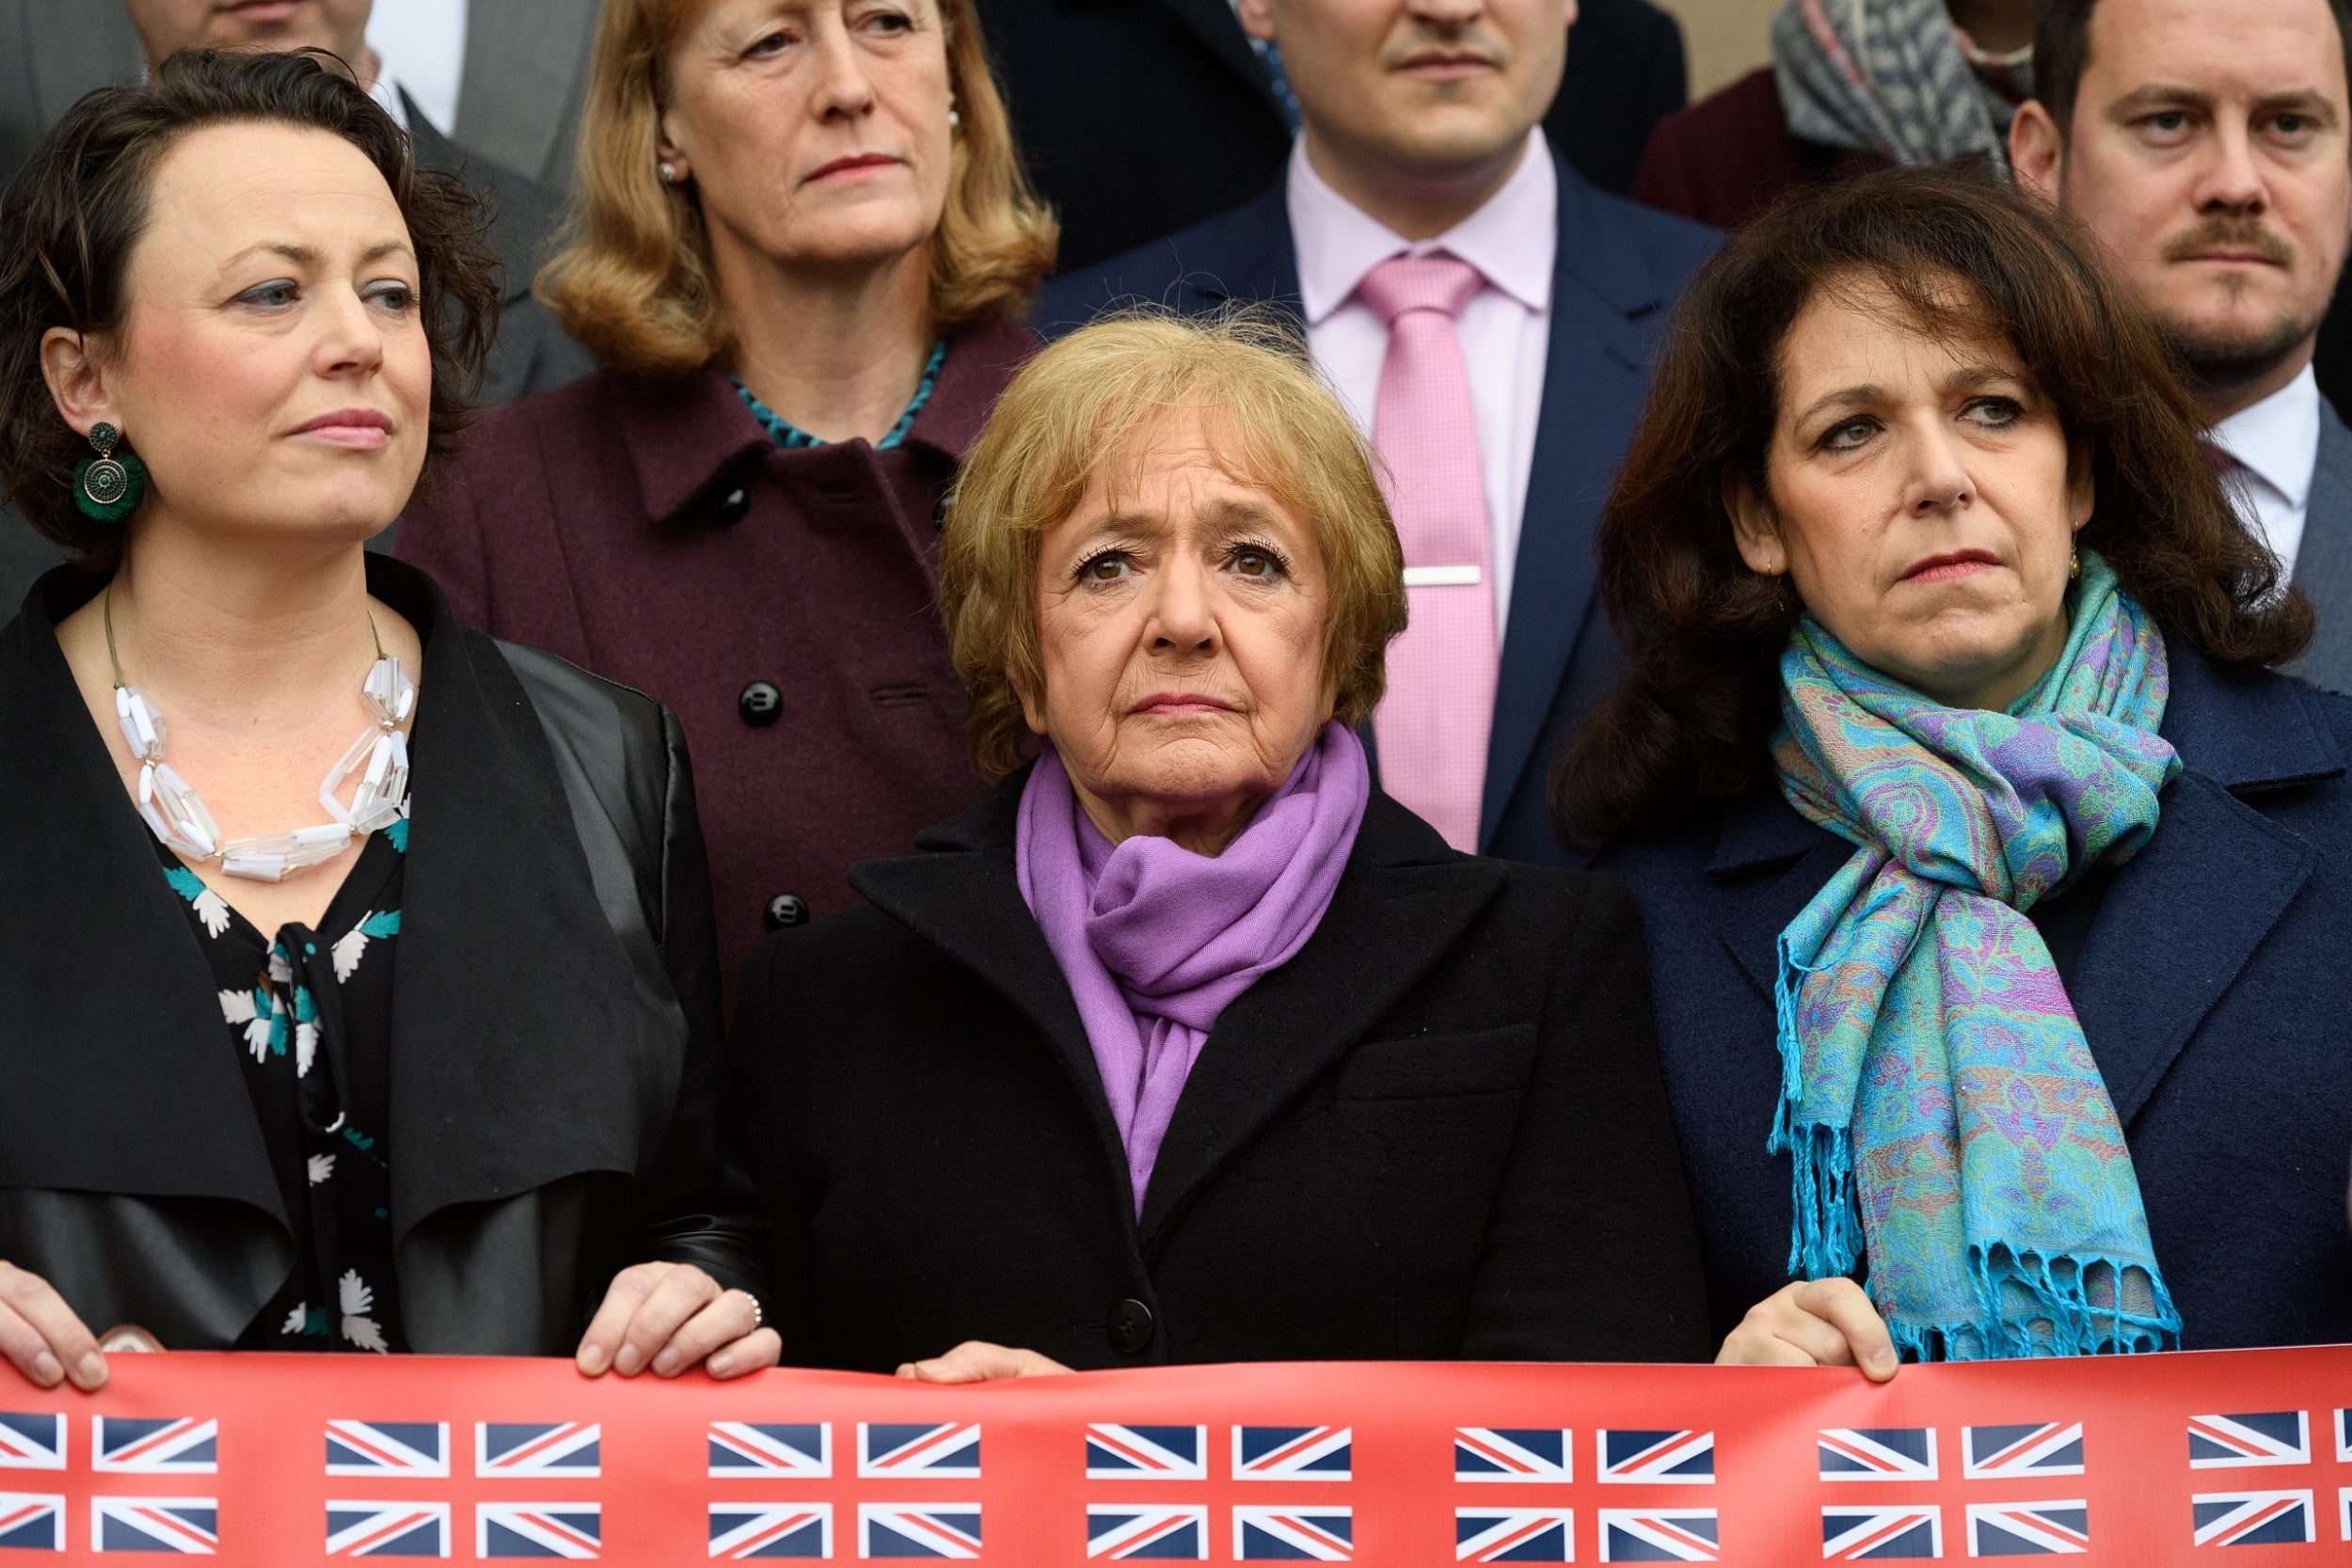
(1186, 1044)
(803, 242)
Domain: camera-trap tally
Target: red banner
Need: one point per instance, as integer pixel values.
(269, 1460)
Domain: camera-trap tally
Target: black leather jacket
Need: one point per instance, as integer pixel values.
(555, 1070)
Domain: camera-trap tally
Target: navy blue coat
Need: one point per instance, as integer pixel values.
(2214, 985)
(1619, 266)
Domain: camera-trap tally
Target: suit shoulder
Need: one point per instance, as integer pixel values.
(589, 711)
(1634, 23)
(1676, 245)
(1156, 273)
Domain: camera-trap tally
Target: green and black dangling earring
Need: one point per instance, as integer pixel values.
(108, 489)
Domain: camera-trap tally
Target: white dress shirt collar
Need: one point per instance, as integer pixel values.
(2277, 439)
(1337, 242)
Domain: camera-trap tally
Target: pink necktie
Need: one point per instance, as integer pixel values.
(1432, 726)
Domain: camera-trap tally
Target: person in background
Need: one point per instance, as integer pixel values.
(1853, 86)
(1997, 887)
(402, 1043)
(1487, 315)
(103, 44)
(1187, 1043)
(2208, 145)
(803, 250)
(1136, 120)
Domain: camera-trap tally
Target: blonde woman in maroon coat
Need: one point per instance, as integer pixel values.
(805, 245)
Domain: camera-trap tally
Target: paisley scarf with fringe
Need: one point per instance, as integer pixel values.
(1937, 1097)
(1897, 78)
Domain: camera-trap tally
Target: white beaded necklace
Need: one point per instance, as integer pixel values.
(178, 816)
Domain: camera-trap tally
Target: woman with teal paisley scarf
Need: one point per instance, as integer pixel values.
(1983, 854)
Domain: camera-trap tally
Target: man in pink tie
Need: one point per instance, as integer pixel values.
(1487, 317)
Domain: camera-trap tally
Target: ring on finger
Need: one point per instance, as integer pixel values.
(758, 1317)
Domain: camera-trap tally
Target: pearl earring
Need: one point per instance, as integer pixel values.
(954, 120)
(668, 171)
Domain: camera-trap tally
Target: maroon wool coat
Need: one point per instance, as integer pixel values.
(655, 534)
(1730, 155)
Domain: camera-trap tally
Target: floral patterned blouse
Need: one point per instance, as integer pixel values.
(309, 1017)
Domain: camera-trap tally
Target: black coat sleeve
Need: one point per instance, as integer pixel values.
(697, 1204)
(1592, 1249)
(758, 1107)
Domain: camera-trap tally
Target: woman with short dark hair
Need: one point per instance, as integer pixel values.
(303, 1050)
(1996, 888)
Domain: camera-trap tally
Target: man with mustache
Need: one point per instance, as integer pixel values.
(1486, 316)
(2206, 143)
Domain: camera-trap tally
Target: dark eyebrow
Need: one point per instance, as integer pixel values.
(1845, 397)
(302, 255)
(1986, 375)
(2159, 95)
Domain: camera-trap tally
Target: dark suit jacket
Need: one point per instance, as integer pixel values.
(2211, 984)
(2323, 561)
(1438, 1132)
(555, 1052)
(1618, 267)
(655, 533)
(1138, 117)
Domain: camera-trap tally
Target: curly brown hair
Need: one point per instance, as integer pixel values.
(1963, 258)
(75, 211)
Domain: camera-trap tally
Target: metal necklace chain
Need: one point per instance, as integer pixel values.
(177, 814)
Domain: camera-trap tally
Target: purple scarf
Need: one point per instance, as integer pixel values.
(1156, 941)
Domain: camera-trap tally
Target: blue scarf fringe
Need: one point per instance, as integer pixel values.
(1827, 1241)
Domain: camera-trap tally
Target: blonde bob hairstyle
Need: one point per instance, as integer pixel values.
(1094, 399)
(633, 282)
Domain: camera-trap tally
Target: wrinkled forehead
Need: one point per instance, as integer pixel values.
(1862, 325)
(2222, 52)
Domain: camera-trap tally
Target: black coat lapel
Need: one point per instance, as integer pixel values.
(965, 899)
(1247, 257)
(1403, 900)
(121, 1076)
(2147, 980)
(519, 1052)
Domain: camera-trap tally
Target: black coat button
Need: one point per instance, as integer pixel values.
(1130, 1327)
(730, 507)
(761, 705)
(786, 911)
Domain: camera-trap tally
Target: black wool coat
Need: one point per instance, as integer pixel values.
(1439, 1131)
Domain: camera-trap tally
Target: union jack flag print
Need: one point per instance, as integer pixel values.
(771, 1451)
(32, 1521)
(2022, 1452)
(1879, 1534)
(888, 1451)
(387, 1530)
(538, 1529)
(1147, 1454)
(1877, 1453)
(2235, 1442)
(1538, 1455)
(1656, 1458)
(2252, 1518)
(2030, 1530)
(1658, 1535)
(181, 1447)
(740, 1530)
(380, 1450)
(1514, 1535)
(918, 1529)
(1120, 1531)
(1294, 1453)
(32, 1442)
(1315, 1533)
(188, 1525)
(516, 1451)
